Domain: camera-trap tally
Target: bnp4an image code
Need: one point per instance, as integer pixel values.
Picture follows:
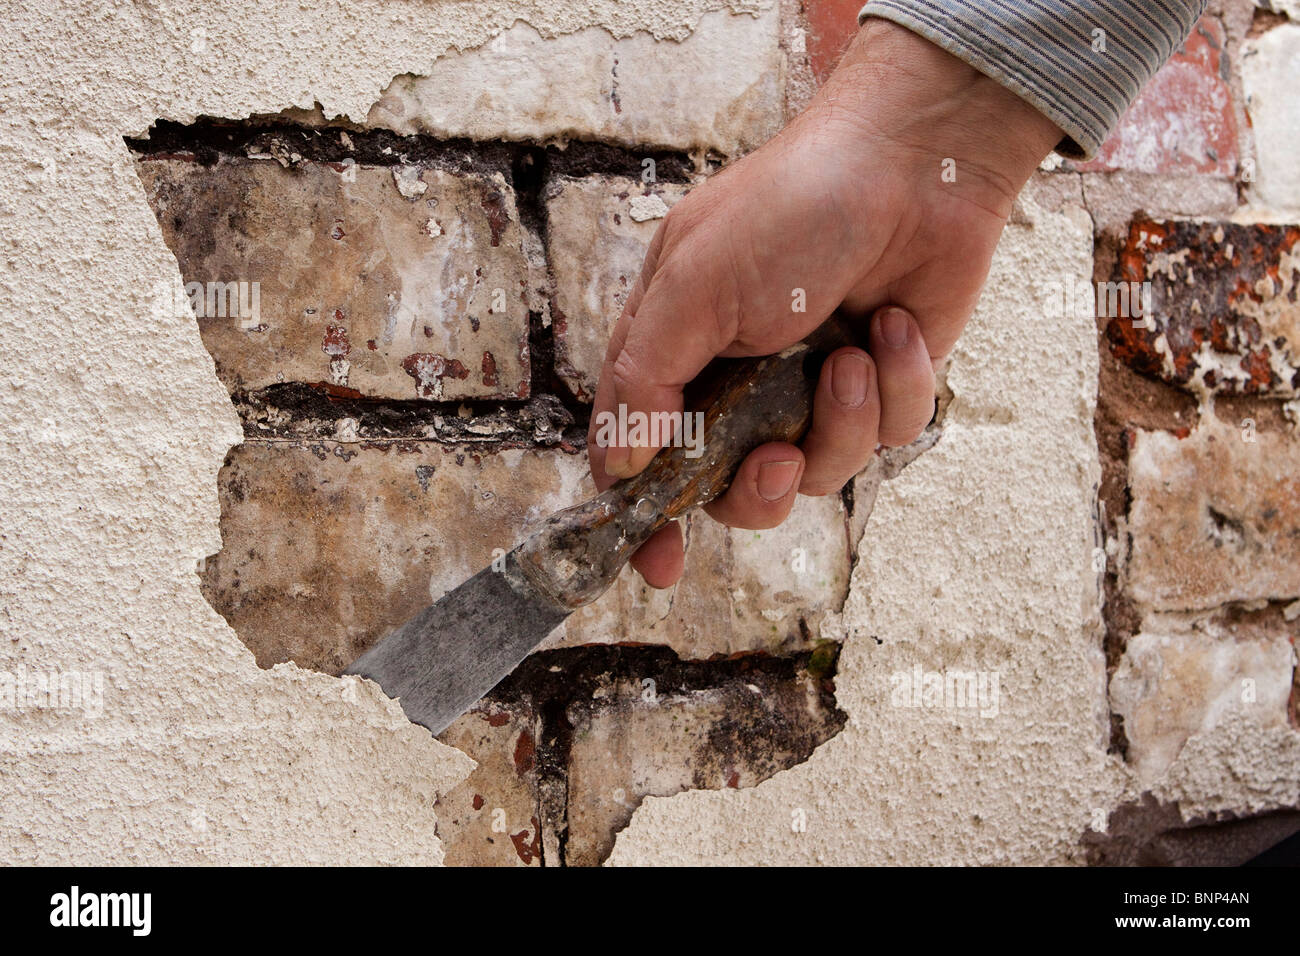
(1176, 910)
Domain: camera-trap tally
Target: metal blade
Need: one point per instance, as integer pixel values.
(442, 661)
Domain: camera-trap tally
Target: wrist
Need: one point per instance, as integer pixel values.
(899, 87)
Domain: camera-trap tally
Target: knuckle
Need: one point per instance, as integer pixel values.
(820, 487)
(624, 372)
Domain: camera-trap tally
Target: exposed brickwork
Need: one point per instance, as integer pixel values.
(1194, 433)
(1175, 682)
(645, 739)
(621, 723)
(355, 500)
(599, 230)
(1215, 517)
(1226, 317)
(330, 544)
(492, 818)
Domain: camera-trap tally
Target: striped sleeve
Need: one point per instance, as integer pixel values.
(1081, 62)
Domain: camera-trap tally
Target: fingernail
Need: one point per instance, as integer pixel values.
(849, 379)
(895, 326)
(776, 478)
(618, 461)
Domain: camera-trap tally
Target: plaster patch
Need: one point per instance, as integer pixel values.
(1270, 72)
(719, 89)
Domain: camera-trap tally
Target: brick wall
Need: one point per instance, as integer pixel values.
(434, 290)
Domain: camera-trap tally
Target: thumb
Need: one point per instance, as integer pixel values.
(654, 352)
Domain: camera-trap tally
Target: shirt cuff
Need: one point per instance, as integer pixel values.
(1079, 63)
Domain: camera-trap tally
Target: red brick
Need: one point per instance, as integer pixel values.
(832, 24)
(1183, 120)
(1225, 303)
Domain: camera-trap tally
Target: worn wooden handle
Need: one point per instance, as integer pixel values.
(578, 552)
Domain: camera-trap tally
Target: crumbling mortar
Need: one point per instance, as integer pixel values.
(1118, 389)
(297, 412)
(208, 139)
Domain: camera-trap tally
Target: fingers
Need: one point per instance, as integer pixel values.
(604, 402)
(862, 399)
(905, 375)
(660, 560)
(764, 489)
(846, 416)
(671, 337)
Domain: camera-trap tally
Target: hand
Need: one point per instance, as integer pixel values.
(847, 207)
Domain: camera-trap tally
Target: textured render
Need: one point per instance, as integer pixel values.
(115, 426)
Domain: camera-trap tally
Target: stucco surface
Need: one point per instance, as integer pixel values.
(114, 426)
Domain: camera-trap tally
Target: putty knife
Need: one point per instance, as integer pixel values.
(446, 658)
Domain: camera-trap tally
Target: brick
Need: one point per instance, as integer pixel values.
(1115, 199)
(597, 237)
(492, 818)
(832, 25)
(1270, 76)
(1183, 120)
(1226, 317)
(1174, 683)
(329, 545)
(636, 739)
(398, 282)
(1215, 517)
(718, 89)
